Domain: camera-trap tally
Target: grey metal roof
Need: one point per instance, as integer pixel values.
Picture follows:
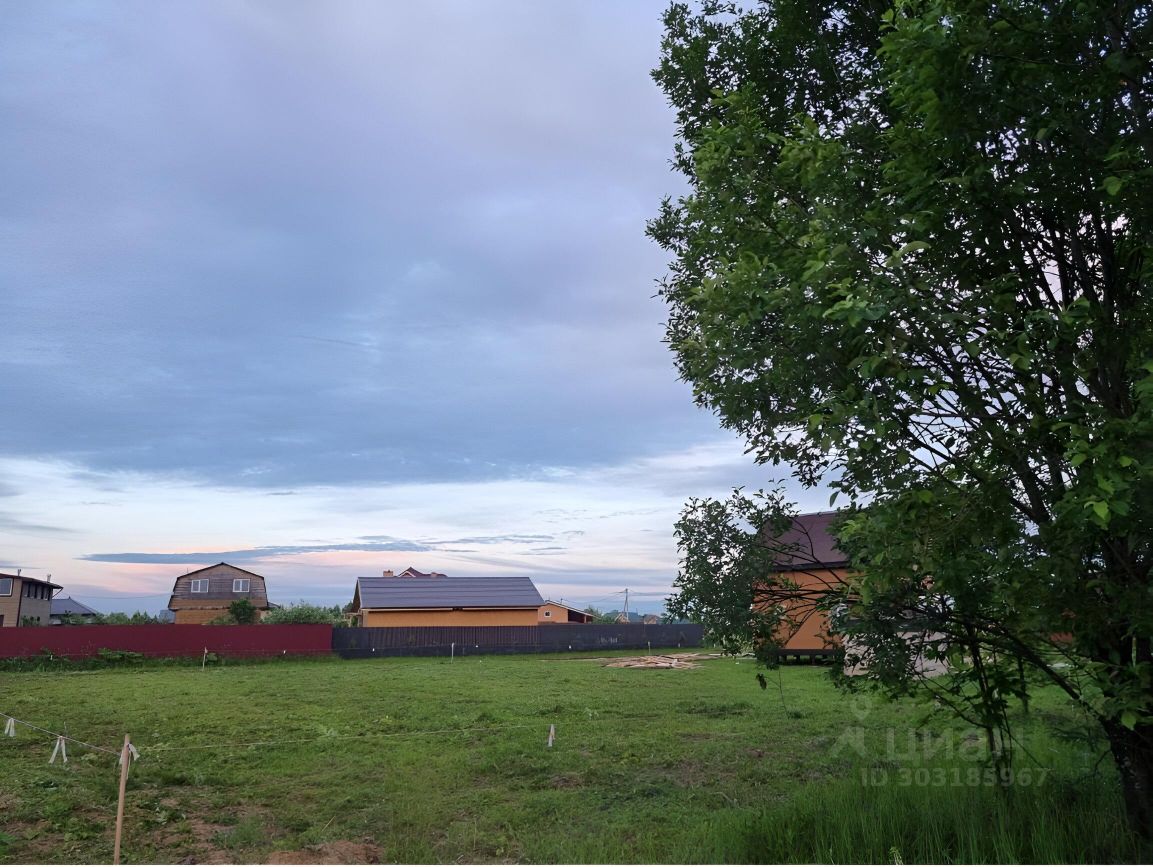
(448, 592)
(66, 605)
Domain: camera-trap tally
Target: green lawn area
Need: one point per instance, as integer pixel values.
(426, 760)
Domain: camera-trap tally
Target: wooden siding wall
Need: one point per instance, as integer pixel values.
(18, 606)
(560, 614)
(203, 615)
(359, 642)
(445, 617)
(10, 605)
(812, 633)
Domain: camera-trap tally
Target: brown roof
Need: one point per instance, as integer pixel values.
(220, 586)
(217, 565)
(808, 544)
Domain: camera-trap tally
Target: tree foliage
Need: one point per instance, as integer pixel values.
(914, 264)
(242, 611)
(115, 618)
(303, 612)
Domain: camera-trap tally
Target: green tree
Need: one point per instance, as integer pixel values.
(601, 616)
(119, 618)
(914, 264)
(242, 611)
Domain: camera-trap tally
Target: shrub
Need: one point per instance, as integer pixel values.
(242, 611)
(303, 612)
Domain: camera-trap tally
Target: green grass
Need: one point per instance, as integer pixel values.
(421, 760)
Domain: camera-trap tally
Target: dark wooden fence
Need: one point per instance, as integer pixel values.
(361, 642)
(79, 642)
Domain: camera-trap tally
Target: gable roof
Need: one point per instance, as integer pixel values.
(215, 565)
(447, 592)
(808, 544)
(64, 605)
(220, 592)
(28, 579)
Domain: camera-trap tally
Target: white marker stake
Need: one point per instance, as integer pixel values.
(10, 727)
(551, 734)
(452, 652)
(124, 761)
(59, 750)
(204, 659)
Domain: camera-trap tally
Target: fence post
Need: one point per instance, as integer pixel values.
(124, 760)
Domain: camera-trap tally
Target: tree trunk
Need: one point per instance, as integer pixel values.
(1133, 754)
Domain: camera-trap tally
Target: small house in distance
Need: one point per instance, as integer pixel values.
(558, 612)
(443, 601)
(76, 612)
(25, 601)
(205, 594)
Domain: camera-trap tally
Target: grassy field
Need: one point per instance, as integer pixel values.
(420, 760)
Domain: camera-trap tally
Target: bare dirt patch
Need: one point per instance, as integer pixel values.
(671, 660)
(567, 781)
(201, 838)
(332, 852)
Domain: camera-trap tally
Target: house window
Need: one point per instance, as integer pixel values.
(5, 586)
(240, 585)
(199, 585)
(548, 614)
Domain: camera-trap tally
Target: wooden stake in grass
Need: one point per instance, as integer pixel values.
(551, 734)
(204, 659)
(124, 760)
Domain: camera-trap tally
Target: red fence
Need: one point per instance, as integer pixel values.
(166, 640)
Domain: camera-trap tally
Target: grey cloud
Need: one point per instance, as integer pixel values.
(439, 544)
(247, 554)
(268, 251)
(364, 543)
(494, 540)
(13, 524)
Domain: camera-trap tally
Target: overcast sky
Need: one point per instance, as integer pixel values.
(326, 288)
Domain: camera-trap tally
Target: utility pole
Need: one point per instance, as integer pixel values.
(627, 606)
